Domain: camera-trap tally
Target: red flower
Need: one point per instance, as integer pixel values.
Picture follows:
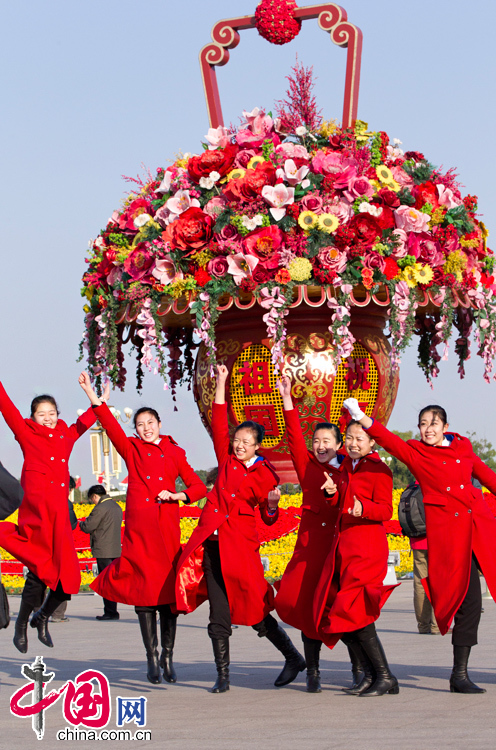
(391, 268)
(218, 160)
(275, 21)
(138, 264)
(247, 284)
(251, 185)
(264, 244)
(283, 276)
(387, 198)
(386, 219)
(261, 274)
(191, 231)
(366, 228)
(425, 193)
(202, 277)
(135, 208)
(367, 278)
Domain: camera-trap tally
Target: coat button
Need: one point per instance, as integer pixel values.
(444, 462)
(456, 514)
(215, 510)
(235, 467)
(147, 500)
(457, 460)
(160, 479)
(62, 485)
(63, 460)
(233, 495)
(149, 454)
(162, 455)
(50, 436)
(51, 459)
(227, 516)
(448, 489)
(462, 486)
(148, 477)
(469, 511)
(324, 524)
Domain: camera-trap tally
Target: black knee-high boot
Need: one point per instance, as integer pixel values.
(294, 660)
(168, 624)
(460, 682)
(361, 668)
(311, 648)
(148, 627)
(221, 656)
(21, 627)
(40, 618)
(384, 682)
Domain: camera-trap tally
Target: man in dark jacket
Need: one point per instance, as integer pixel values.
(104, 527)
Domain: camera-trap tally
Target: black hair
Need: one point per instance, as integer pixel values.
(96, 489)
(353, 422)
(144, 410)
(436, 410)
(257, 429)
(72, 483)
(332, 427)
(40, 400)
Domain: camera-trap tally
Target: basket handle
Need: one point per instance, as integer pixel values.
(332, 18)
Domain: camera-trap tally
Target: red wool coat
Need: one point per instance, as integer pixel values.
(294, 600)
(145, 572)
(457, 518)
(350, 593)
(230, 508)
(42, 538)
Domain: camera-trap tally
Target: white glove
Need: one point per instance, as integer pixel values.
(352, 405)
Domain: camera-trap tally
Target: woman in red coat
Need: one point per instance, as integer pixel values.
(144, 574)
(42, 538)
(460, 526)
(221, 561)
(294, 600)
(351, 593)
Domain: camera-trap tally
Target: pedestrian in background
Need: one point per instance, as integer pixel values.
(104, 527)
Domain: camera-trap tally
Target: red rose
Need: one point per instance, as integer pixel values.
(202, 277)
(425, 193)
(391, 269)
(386, 219)
(218, 160)
(366, 228)
(191, 231)
(387, 197)
(260, 274)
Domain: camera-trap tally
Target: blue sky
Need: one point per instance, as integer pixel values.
(90, 91)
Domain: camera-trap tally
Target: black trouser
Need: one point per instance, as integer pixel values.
(34, 591)
(219, 625)
(109, 608)
(468, 615)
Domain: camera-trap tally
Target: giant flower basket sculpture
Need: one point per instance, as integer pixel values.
(291, 243)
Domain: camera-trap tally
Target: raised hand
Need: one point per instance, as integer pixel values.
(352, 405)
(284, 385)
(329, 486)
(106, 392)
(222, 373)
(357, 509)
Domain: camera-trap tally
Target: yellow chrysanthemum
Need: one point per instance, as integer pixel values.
(408, 275)
(236, 174)
(328, 127)
(328, 223)
(254, 161)
(307, 220)
(384, 173)
(423, 274)
(471, 242)
(456, 263)
(300, 269)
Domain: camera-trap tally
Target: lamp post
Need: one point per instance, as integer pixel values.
(100, 444)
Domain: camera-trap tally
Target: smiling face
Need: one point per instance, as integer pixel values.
(324, 445)
(432, 428)
(46, 414)
(245, 445)
(148, 427)
(357, 442)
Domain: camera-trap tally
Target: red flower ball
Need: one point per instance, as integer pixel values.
(202, 277)
(275, 21)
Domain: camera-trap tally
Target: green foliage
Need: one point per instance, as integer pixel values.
(406, 198)
(223, 220)
(484, 449)
(458, 217)
(420, 172)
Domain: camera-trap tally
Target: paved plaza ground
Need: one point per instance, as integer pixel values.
(254, 714)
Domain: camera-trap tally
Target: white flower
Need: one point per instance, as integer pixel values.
(369, 208)
(141, 220)
(301, 130)
(249, 224)
(397, 142)
(258, 219)
(207, 183)
(214, 176)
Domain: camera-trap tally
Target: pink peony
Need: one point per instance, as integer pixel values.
(401, 177)
(341, 209)
(447, 197)
(333, 259)
(139, 262)
(401, 249)
(358, 187)
(243, 157)
(312, 202)
(293, 151)
(215, 206)
(374, 260)
(411, 220)
(425, 249)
